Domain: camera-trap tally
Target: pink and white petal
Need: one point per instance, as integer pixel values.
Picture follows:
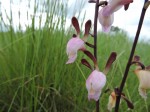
(106, 29)
(124, 2)
(73, 45)
(115, 5)
(110, 9)
(71, 59)
(105, 21)
(144, 83)
(94, 96)
(144, 77)
(94, 84)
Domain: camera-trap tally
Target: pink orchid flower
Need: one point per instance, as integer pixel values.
(73, 46)
(96, 80)
(106, 14)
(105, 21)
(76, 43)
(94, 84)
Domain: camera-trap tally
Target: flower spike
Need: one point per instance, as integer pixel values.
(75, 23)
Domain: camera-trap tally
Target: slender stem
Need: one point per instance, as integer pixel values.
(95, 28)
(95, 41)
(130, 58)
(97, 106)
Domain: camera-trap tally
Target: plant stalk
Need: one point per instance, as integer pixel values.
(131, 57)
(95, 41)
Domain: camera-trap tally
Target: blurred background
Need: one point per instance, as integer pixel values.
(34, 76)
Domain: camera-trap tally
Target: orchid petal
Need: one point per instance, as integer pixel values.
(144, 83)
(115, 5)
(106, 14)
(73, 45)
(94, 84)
(105, 21)
(143, 93)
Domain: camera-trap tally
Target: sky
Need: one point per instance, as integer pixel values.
(127, 20)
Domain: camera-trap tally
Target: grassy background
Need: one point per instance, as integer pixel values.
(35, 78)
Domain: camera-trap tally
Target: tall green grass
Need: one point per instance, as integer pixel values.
(34, 76)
